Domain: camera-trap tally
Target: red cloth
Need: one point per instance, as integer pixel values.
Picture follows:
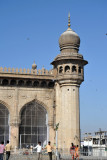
(2, 147)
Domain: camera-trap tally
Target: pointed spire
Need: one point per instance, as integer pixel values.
(69, 20)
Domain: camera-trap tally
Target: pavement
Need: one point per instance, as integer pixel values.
(46, 157)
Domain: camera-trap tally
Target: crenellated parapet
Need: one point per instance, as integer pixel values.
(24, 71)
(26, 77)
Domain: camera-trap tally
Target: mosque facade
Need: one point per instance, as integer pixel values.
(33, 102)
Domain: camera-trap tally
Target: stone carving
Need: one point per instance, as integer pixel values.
(39, 72)
(43, 71)
(5, 69)
(35, 71)
(9, 70)
(46, 71)
(16, 70)
(28, 71)
(7, 96)
(13, 70)
(24, 97)
(1, 69)
(20, 70)
(47, 97)
(32, 71)
(24, 70)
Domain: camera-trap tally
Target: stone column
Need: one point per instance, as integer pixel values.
(14, 122)
(14, 133)
(69, 118)
(51, 132)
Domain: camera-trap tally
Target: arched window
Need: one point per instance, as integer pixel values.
(43, 84)
(4, 123)
(13, 82)
(51, 84)
(79, 69)
(29, 83)
(60, 69)
(36, 83)
(74, 69)
(67, 69)
(21, 83)
(5, 82)
(33, 126)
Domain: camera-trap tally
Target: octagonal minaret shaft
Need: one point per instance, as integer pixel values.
(69, 73)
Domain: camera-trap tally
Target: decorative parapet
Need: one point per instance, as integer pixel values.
(24, 71)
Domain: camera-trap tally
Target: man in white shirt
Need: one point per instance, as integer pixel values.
(39, 150)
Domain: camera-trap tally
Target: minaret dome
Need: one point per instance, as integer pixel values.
(69, 40)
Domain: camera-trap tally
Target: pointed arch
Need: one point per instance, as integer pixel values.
(33, 126)
(6, 105)
(4, 122)
(37, 101)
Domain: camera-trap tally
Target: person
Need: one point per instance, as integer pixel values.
(72, 150)
(8, 149)
(39, 150)
(49, 150)
(77, 152)
(31, 149)
(2, 148)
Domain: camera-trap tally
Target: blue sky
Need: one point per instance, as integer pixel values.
(30, 29)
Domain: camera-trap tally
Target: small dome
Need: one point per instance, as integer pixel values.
(69, 39)
(34, 66)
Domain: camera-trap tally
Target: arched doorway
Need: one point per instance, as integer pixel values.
(33, 127)
(4, 123)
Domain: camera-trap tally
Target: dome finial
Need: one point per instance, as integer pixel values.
(34, 66)
(69, 20)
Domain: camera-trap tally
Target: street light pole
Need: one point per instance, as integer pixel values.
(100, 139)
(56, 130)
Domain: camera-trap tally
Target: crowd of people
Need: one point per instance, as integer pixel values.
(5, 148)
(39, 150)
(74, 151)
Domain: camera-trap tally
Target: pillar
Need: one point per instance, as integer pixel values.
(69, 118)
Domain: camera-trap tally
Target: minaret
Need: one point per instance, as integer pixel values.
(69, 74)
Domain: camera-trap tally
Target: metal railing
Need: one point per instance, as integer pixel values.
(62, 154)
(28, 154)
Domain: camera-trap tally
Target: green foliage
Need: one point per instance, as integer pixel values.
(56, 127)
